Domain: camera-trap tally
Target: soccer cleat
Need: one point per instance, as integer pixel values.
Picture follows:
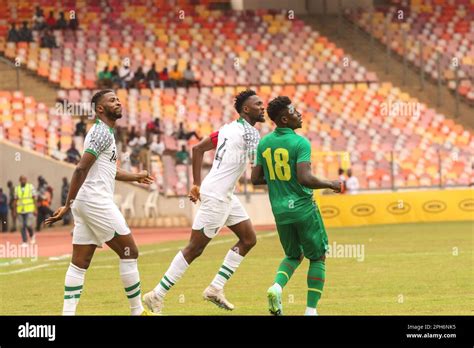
(153, 302)
(217, 297)
(274, 301)
(146, 313)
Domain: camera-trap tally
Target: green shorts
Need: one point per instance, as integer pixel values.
(304, 237)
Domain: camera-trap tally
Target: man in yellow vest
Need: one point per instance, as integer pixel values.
(25, 208)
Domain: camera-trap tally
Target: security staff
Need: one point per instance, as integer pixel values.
(25, 208)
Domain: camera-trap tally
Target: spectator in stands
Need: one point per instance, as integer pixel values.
(13, 34)
(104, 78)
(57, 154)
(133, 134)
(3, 211)
(137, 140)
(73, 156)
(61, 23)
(189, 78)
(11, 204)
(38, 19)
(164, 78)
(48, 40)
(24, 206)
(126, 76)
(51, 21)
(352, 183)
(125, 161)
(64, 192)
(341, 175)
(152, 76)
(81, 128)
(181, 134)
(182, 156)
(44, 198)
(139, 80)
(144, 157)
(157, 146)
(74, 22)
(26, 35)
(115, 77)
(153, 127)
(176, 77)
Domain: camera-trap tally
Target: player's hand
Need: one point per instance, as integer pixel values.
(194, 194)
(58, 215)
(338, 186)
(145, 178)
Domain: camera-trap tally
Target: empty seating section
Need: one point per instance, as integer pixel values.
(444, 27)
(224, 48)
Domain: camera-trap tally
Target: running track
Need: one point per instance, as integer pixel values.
(57, 241)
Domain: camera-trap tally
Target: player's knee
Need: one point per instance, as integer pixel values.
(132, 254)
(250, 241)
(193, 251)
(82, 263)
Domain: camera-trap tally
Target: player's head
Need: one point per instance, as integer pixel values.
(283, 113)
(249, 105)
(106, 103)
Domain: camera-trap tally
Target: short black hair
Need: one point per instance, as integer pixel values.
(241, 98)
(276, 106)
(96, 98)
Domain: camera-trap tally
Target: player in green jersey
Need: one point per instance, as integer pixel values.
(284, 164)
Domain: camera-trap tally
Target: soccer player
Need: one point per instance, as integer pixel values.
(236, 144)
(97, 219)
(284, 164)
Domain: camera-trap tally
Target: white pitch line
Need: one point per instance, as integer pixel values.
(271, 234)
(27, 269)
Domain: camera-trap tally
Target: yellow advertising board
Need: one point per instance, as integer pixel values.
(397, 207)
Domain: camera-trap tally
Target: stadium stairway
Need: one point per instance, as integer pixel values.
(30, 84)
(357, 44)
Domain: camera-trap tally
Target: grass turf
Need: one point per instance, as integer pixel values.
(410, 269)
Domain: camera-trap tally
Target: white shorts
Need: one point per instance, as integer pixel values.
(213, 214)
(97, 224)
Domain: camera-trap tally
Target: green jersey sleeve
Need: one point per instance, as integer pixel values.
(303, 151)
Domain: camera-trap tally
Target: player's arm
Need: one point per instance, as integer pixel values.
(306, 178)
(206, 144)
(258, 176)
(303, 170)
(142, 177)
(78, 177)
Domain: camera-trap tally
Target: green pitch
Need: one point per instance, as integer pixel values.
(412, 269)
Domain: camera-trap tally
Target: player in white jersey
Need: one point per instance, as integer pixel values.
(236, 147)
(97, 219)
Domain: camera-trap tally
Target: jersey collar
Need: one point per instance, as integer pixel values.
(97, 121)
(284, 130)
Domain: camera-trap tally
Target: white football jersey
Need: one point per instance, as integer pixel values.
(100, 181)
(236, 147)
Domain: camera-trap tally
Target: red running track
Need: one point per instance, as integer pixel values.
(57, 241)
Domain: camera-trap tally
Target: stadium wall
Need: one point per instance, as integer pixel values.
(397, 207)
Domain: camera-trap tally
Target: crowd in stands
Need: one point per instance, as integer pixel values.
(126, 78)
(44, 27)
